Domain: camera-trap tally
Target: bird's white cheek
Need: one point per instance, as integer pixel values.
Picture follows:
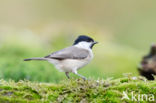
(84, 45)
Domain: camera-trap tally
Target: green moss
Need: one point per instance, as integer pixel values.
(102, 91)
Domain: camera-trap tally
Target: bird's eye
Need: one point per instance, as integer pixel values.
(89, 40)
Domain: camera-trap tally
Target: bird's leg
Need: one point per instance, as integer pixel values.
(67, 74)
(75, 72)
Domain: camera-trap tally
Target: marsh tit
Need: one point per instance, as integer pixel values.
(71, 59)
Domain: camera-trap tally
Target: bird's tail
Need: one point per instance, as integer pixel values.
(35, 59)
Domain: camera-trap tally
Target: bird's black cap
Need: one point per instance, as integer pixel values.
(83, 38)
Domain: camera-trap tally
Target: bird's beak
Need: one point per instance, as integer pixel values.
(95, 42)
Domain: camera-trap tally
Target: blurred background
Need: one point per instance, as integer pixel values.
(125, 29)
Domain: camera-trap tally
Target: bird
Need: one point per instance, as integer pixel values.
(147, 67)
(72, 58)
